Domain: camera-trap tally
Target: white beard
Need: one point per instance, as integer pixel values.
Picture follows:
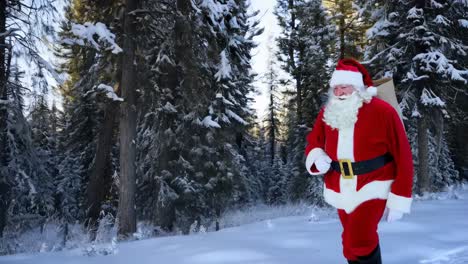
(341, 112)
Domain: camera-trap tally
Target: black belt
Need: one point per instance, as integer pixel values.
(348, 169)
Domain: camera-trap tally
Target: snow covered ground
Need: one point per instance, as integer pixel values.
(435, 233)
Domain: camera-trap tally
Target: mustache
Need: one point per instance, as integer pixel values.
(343, 97)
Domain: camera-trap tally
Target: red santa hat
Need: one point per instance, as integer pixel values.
(349, 71)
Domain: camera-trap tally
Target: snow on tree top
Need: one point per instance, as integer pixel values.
(428, 98)
(414, 13)
(415, 113)
(225, 101)
(435, 4)
(169, 108)
(208, 122)
(224, 71)
(109, 92)
(379, 28)
(225, 119)
(411, 75)
(233, 23)
(441, 20)
(463, 23)
(236, 117)
(86, 33)
(215, 8)
(442, 65)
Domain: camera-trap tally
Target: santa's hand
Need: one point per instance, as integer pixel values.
(323, 163)
(394, 215)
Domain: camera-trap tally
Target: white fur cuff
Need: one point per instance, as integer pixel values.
(399, 203)
(312, 157)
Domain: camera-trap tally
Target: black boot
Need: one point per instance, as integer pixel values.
(373, 258)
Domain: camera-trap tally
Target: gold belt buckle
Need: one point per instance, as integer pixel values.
(350, 168)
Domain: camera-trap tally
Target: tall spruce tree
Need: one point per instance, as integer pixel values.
(305, 49)
(350, 28)
(273, 167)
(25, 185)
(201, 76)
(86, 139)
(271, 120)
(128, 120)
(418, 43)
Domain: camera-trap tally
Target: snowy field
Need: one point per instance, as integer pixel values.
(435, 233)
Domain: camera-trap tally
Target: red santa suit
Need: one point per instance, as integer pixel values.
(361, 200)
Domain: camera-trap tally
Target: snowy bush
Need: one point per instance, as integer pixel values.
(263, 212)
(96, 249)
(147, 230)
(450, 192)
(51, 236)
(55, 235)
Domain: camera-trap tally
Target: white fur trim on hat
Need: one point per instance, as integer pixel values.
(368, 93)
(372, 90)
(347, 77)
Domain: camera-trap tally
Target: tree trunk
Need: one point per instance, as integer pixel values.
(457, 136)
(292, 62)
(218, 216)
(100, 179)
(4, 185)
(423, 156)
(300, 120)
(126, 211)
(184, 46)
(273, 126)
(292, 24)
(4, 203)
(423, 137)
(342, 30)
(439, 127)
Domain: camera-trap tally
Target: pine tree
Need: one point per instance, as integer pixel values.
(318, 34)
(25, 185)
(271, 119)
(291, 50)
(195, 128)
(86, 169)
(29, 181)
(258, 163)
(350, 28)
(306, 47)
(442, 167)
(156, 138)
(43, 122)
(277, 188)
(418, 43)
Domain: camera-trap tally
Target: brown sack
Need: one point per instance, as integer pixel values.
(386, 91)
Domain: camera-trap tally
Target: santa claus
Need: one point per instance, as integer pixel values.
(358, 141)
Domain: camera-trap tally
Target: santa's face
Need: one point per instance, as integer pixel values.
(342, 107)
(343, 89)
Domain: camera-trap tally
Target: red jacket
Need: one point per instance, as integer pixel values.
(378, 130)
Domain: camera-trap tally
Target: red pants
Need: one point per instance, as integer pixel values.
(360, 228)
